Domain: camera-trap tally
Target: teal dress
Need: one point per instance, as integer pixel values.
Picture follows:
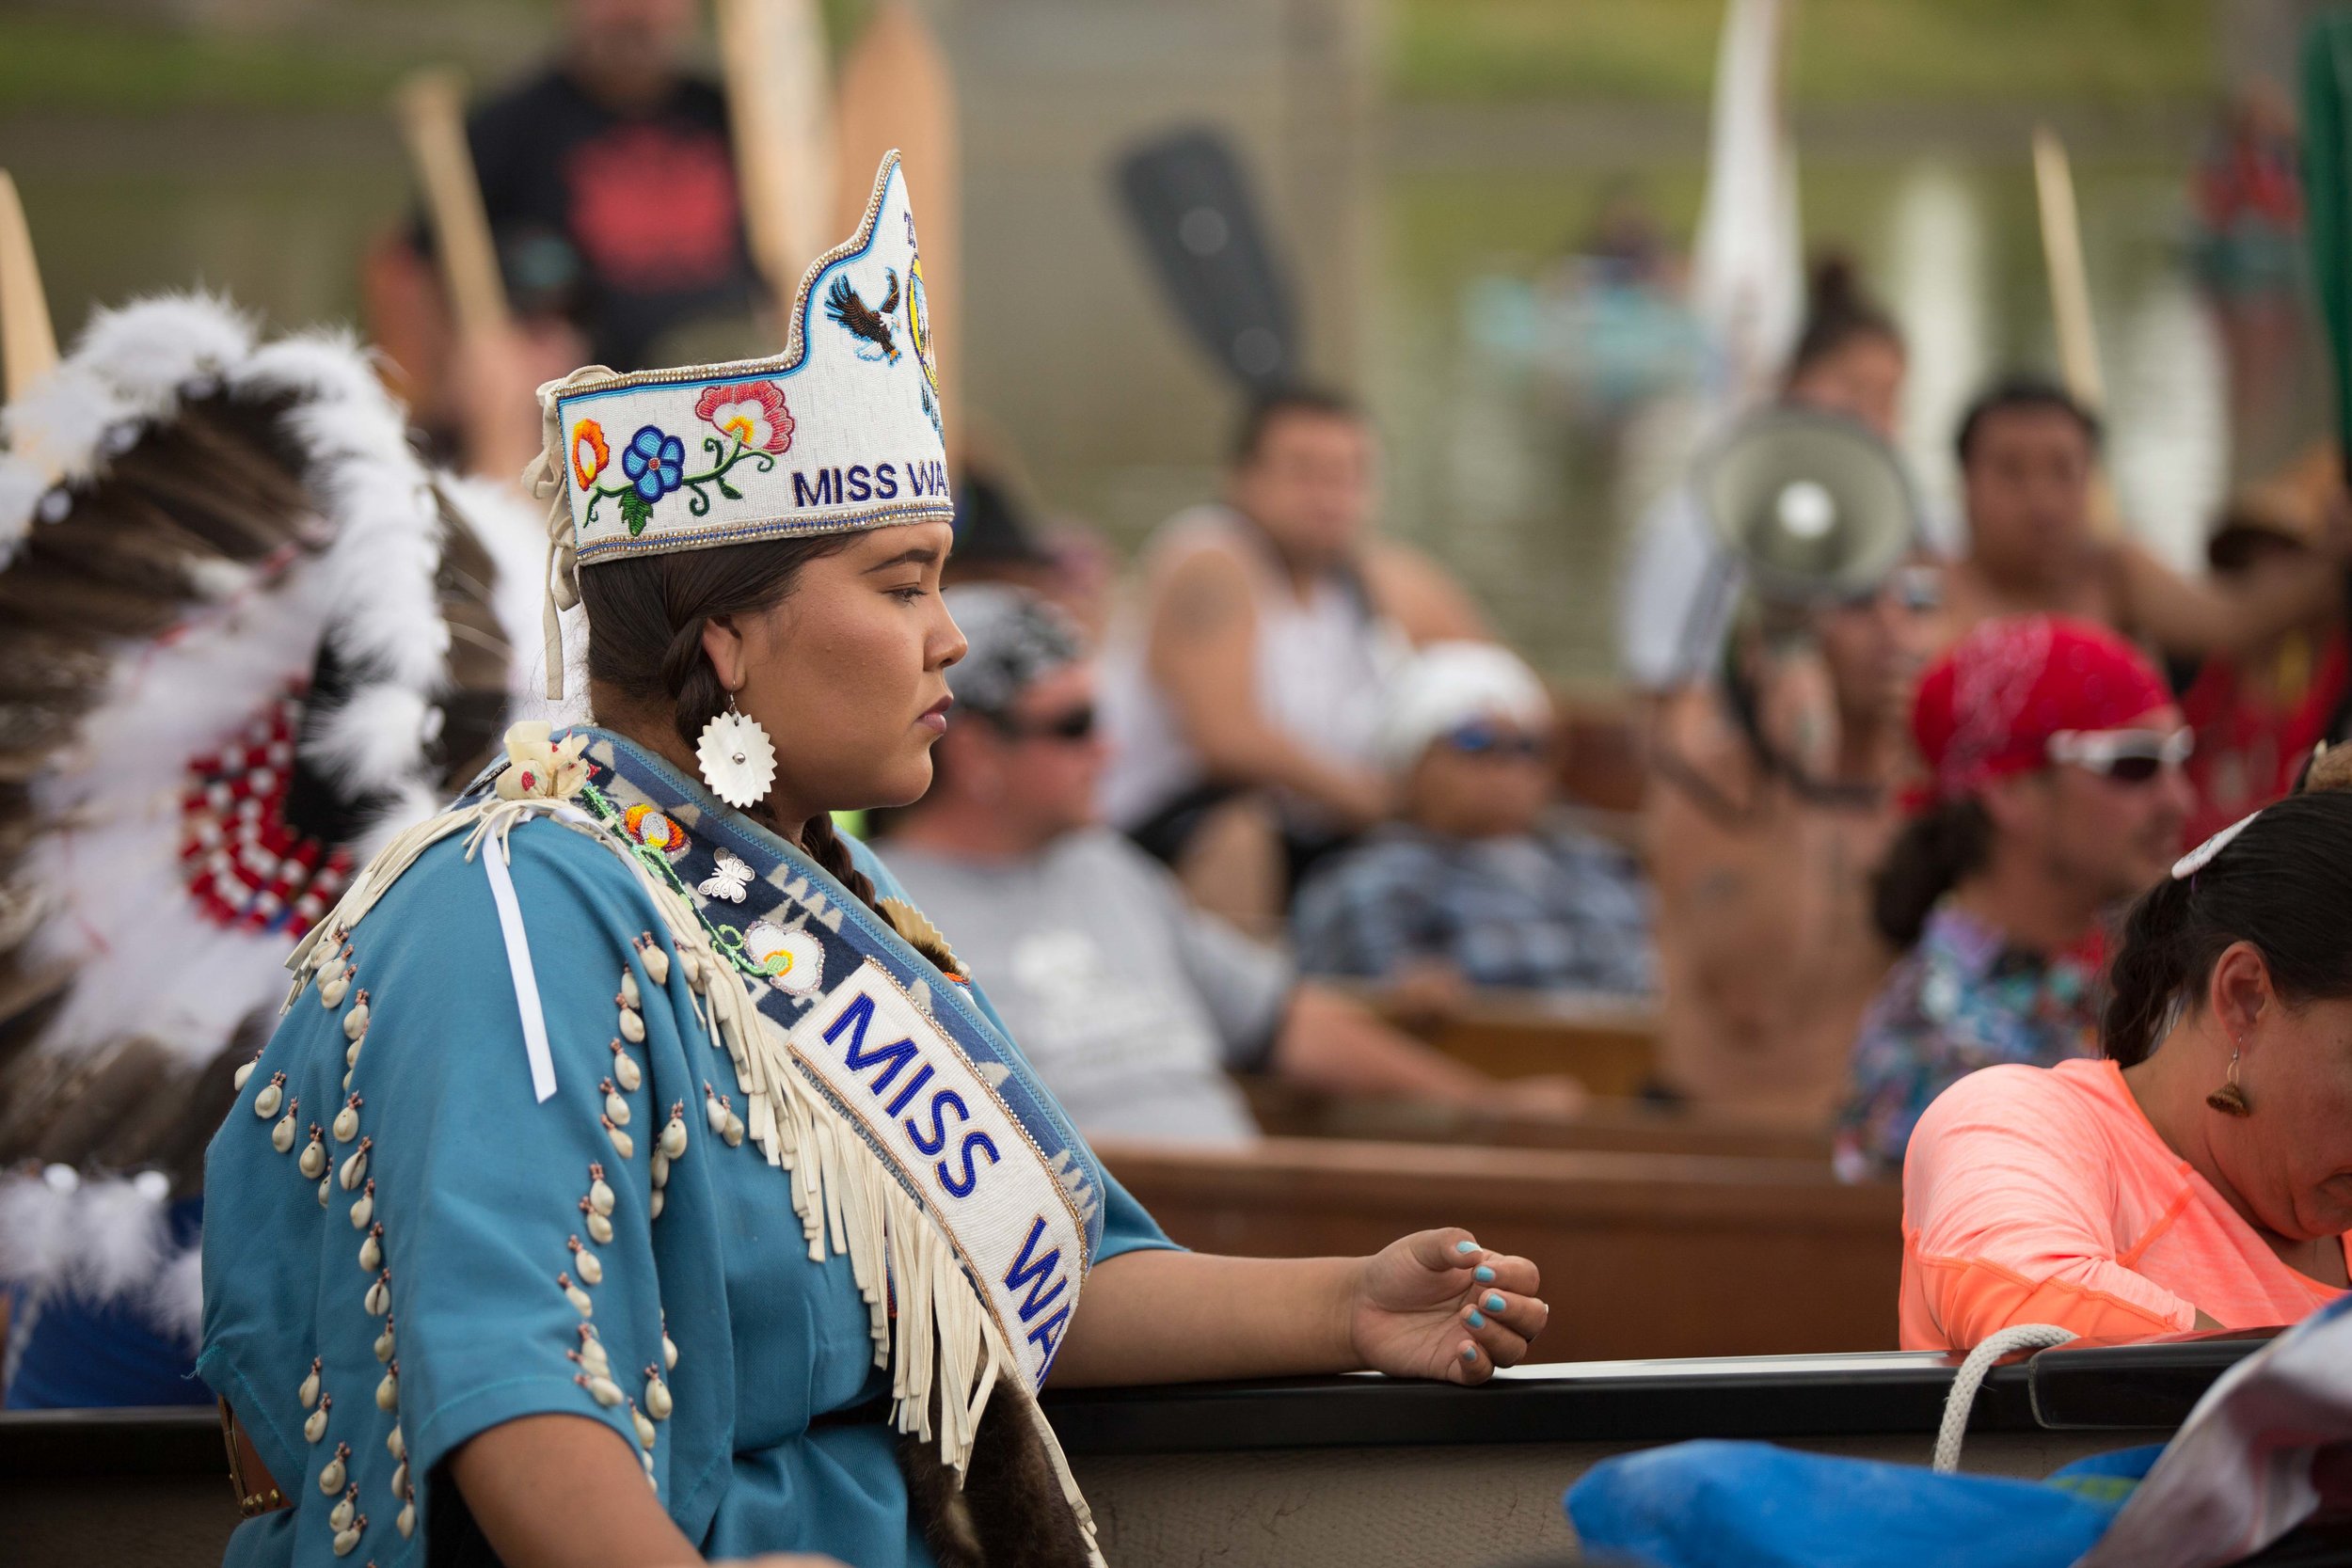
(767, 1426)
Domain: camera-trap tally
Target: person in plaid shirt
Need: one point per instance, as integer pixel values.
(1476, 885)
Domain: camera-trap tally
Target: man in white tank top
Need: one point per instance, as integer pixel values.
(1242, 693)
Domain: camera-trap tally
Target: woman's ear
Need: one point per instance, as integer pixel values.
(2240, 993)
(722, 644)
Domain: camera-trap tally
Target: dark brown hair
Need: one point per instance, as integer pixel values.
(1928, 859)
(2282, 884)
(1837, 313)
(645, 620)
(1266, 408)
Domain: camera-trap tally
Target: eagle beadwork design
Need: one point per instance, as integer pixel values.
(869, 327)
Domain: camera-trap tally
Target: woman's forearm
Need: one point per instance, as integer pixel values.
(1187, 1316)
(565, 1492)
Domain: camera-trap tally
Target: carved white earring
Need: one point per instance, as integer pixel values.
(738, 762)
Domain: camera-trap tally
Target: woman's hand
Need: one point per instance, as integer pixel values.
(1427, 1307)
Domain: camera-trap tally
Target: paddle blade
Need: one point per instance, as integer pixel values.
(28, 344)
(1191, 206)
(779, 107)
(2328, 193)
(897, 90)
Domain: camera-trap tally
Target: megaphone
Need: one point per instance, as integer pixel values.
(1816, 508)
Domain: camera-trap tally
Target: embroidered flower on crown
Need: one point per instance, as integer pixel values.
(590, 455)
(538, 768)
(752, 413)
(655, 461)
(917, 932)
(793, 961)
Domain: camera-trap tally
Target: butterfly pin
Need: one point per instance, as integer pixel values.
(729, 880)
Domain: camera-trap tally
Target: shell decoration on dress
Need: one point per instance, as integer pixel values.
(539, 767)
(915, 929)
(625, 1070)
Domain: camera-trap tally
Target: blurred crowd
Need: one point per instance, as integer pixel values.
(1278, 802)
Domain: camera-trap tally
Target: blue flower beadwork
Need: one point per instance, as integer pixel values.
(655, 461)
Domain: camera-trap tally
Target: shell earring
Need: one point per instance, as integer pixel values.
(2228, 1099)
(739, 761)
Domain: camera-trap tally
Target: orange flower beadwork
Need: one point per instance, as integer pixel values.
(650, 827)
(590, 455)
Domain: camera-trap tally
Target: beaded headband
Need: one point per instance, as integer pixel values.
(841, 431)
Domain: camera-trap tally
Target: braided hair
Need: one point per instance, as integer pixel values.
(2281, 884)
(645, 619)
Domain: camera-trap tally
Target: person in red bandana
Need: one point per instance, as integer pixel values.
(2055, 753)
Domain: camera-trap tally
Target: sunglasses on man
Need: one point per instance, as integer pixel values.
(1072, 727)
(1482, 737)
(2126, 756)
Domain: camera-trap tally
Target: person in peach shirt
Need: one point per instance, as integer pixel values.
(2198, 1174)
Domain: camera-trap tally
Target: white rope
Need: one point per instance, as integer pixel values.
(520, 969)
(1971, 1377)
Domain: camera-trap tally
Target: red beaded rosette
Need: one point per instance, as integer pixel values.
(244, 866)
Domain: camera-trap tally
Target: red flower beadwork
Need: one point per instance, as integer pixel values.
(753, 412)
(244, 866)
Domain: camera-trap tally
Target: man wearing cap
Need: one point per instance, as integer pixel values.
(1475, 885)
(1132, 1004)
(2056, 792)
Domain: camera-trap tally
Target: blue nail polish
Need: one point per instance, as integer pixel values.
(1475, 1320)
(1466, 1247)
(1469, 1353)
(1495, 1304)
(1483, 1274)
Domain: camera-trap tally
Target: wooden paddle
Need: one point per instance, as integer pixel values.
(895, 91)
(781, 112)
(431, 105)
(28, 344)
(2069, 303)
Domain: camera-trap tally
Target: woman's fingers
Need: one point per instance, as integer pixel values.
(1505, 1271)
(1504, 1331)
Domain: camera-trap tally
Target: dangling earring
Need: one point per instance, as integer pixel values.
(738, 762)
(2228, 1099)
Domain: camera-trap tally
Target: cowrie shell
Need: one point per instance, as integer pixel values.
(387, 1391)
(383, 1342)
(630, 997)
(599, 1229)
(351, 1060)
(354, 1168)
(331, 1478)
(734, 1132)
(272, 1094)
(669, 1352)
(282, 1138)
(674, 1134)
(621, 1141)
(603, 1390)
(378, 1300)
(633, 1025)
(313, 1160)
(372, 1250)
(332, 984)
(654, 1204)
(625, 1069)
(599, 1195)
(395, 1445)
(326, 1184)
(578, 1297)
(339, 1515)
(363, 1211)
(656, 959)
(309, 1392)
(645, 1434)
(347, 1121)
(245, 1073)
(356, 1020)
(713, 1111)
(350, 1538)
(406, 1523)
(400, 1478)
(314, 1426)
(657, 1397)
(660, 1164)
(616, 1108)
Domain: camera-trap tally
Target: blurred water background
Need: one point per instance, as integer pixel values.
(1433, 169)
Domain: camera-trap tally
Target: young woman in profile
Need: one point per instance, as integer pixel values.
(636, 1176)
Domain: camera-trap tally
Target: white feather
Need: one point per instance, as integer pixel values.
(174, 1298)
(36, 1231)
(120, 1238)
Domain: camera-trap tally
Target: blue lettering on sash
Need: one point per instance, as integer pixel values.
(940, 1103)
(1047, 1337)
(885, 480)
(859, 489)
(973, 1143)
(890, 1058)
(823, 494)
(914, 1085)
(1035, 1274)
